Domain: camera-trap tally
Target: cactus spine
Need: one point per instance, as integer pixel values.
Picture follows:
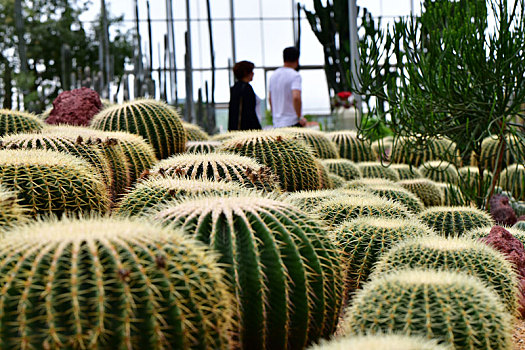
(17, 122)
(353, 148)
(309, 200)
(454, 221)
(11, 212)
(406, 172)
(400, 195)
(427, 190)
(377, 170)
(440, 171)
(512, 179)
(202, 146)
(321, 145)
(381, 342)
(406, 151)
(345, 168)
(452, 195)
(194, 132)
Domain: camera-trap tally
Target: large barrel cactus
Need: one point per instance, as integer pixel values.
(456, 254)
(406, 172)
(351, 147)
(345, 168)
(288, 158)
(202, 146)
(364, 240)
(427, 190)
(218, 167)
(381, 342)
(490, 152)
(320, 144)
(48, 182)
(155, 121)
(194, 132)
(513, 180)
(17, 122)
(450, 307)
(454, 221)
(377, 170)
(400, 195)
(440, 171)
(409, 151)
(154, 191)
(325, 183)
(110, 284)
(283, 267)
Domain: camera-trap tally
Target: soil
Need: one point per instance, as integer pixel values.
(519, 335)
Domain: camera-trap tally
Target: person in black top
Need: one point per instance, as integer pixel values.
(242, 115)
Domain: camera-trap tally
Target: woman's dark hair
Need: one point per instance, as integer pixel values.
(290, 54)
(242, 69)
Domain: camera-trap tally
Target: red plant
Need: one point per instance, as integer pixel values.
(342, 99)
(344, 95)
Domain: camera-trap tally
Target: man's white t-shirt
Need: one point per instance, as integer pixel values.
(282, 82)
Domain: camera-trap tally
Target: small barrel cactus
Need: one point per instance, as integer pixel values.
(345, 168)
(351, 147)
(218, 167)
(489, 152)
(520, 225)
(381, 342)
(155, 121)
(455, 254)
(320, 144)
(325, 183)
(377, 170)
(427, 190)
(309, 200)
(48, 182)
(371, 182)
(452, 195)
(440, 171)
(17, 122)
(195, 132)
(111, 284)
(288, 158)
(339, 209)
(400, 195)
(11, 212)
(470, 176)
(409, 151)
(155, 191)
(406, 172)
(336, 180)
(454, 221)
(364, 240)
(226, 136)
(202, 146)
(512, 179)
(450, 307)
(282, 266)
(480, 232)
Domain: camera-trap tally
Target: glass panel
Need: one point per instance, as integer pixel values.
(315, 92)
(311, 48)
(247, 8)
(276, 8)
(277, 36)
(220, 8)
(248, 41)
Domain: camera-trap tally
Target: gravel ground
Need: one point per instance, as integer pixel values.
(519, 335)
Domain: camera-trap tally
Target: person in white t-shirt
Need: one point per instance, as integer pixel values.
(285, 92)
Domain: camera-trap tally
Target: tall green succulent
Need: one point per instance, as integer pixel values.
(512, 179)
(154, 191)
(345, 168)
(406, 172)
(454, 221)
(451, 307)
(288, 158)
(107, 283)
(48, 182)
(194, 132)
(456, 254)
(320, 144)
(353, 148)
(437, 149)
(364, 240)
(218, 167)
(155, 121)
(15, 122)
(427, 190)
(377, 170)
(201, 146)
(381, 342)
(440, 171)
(283, 267)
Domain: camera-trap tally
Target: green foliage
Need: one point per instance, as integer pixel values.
(48, 182)
(440, 171)
(452, 195)
(353, 148)
(112, 283)
(273, 254)
(195, 132)
(201, 146)
(155, 121)
(406, 172)
(450, 307)
(513, 180)
(428, 191)
(364, 240)
(454, 221)
(345, 168)
(288, 158)
(381, 342)
(377, 170)
(320, 144)
(381, 131)
(14, 122)
(456, 254)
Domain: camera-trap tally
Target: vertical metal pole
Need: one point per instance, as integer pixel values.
(105, 42)
(19, 24)
(189, 66)
(138, 57)
(232, 26)
(210, 107)
(294, 28)
(354, 54)
(171, 51)
(150, 40)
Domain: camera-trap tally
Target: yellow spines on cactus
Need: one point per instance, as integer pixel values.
(111, 283)
(352, 147)
(377, 170)
(320, 144)
(309, 200)
(408, 151)
(11, 212)
(406, 172)
(345, 168)
(512, 179)
(15, 122)
(385, 341)
(202, 146)
(427, 190)
(454, 221)
(195, 132)
(440, 171)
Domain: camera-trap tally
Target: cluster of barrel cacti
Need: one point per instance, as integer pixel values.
(143, 232)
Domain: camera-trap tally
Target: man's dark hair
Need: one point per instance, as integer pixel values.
(242, 69)
(290, 54)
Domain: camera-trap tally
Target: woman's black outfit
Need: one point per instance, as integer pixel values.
(242, 103)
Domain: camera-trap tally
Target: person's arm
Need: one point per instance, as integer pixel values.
(297, 100)
(270, 100)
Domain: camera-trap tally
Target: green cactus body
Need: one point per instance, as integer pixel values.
(454, 221)
(512, 179)
(440, 171)
(489, 153)
(110, 284)
(337, 210)
(226, 136)
(371, 182)
(17, 122)
(345, 168)
(427, 190)
(383, 147)
(218, 167)
(377, 170)
(364, 240)
(520, 225)
(283, 267)
(381, 342)
(450, 307)
(48, 182)
(351, 147)
(452, 195)
(320, 144)
(336, 180)
(309, 200)
(325, 183)
(155, 121)
(456, 254)
(11, 212)
(202, 146)
(288, 158)
(470, 176)
(406, 172)
(153, 192)
(400, 195)
(480, 232)
(437, 149)
(194, 132)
